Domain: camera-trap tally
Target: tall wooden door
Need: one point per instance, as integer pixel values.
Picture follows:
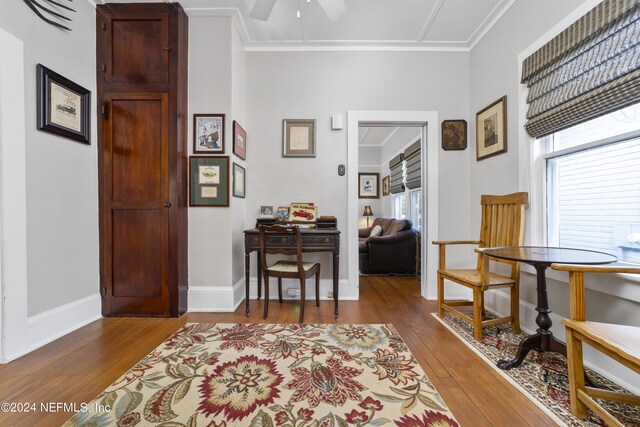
(136, 204)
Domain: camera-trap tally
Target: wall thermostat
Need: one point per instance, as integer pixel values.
(341, 170)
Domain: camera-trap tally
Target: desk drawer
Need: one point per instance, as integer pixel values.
(318, 240)
(272, 241)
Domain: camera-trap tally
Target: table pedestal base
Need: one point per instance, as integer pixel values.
(541, 341)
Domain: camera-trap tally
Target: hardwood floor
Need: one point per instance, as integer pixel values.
(78, 366)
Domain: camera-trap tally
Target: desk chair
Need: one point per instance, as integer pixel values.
(286, 269)
(619, 342)
(502, 225)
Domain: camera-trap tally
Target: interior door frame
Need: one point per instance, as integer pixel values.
(430, 136)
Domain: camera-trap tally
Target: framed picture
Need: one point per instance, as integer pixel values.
(386, 185)
(209, 181)
(491, 129)
(239, 141)
(298, 138)
(208, 133)
(282, 215)
(266, 211)
(368, 186)
(238, 181)
(64, 107)
(303, 213)
(454, 134)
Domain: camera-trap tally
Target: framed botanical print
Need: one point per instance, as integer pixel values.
(239, 141)
(239, 181)
(298, 138)
(491, 129)
(368, 186)
(386, 185)
(209, 181)
(64, 107)
(208, 133)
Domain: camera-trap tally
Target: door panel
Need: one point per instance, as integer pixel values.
(136, 204)
(138, 46)
(136, 150)
(138, 251)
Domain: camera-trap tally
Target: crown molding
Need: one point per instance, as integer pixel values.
(492, 18)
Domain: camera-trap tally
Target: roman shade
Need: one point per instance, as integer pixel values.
(395, 165)
(412, 164)
(590, 69)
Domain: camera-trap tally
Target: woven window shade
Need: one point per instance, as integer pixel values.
(395, 165)
(590, 69)
(412, 161)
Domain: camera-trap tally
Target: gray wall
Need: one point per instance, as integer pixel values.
(315, 85)
(494, 73)
(61, 174)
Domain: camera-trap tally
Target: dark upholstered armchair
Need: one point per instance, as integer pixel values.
(393, 251)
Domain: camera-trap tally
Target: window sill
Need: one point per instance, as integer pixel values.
(625, 286)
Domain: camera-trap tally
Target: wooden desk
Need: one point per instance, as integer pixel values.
(313, 240)
(540, 258)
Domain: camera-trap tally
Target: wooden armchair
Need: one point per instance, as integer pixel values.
(619, 342)
(502, 225)
(287, 269)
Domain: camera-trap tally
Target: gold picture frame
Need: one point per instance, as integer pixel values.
(491, 129)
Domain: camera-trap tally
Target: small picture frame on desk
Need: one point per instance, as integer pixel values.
(266, 211)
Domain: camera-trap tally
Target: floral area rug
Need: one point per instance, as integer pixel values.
(273, 375)
(542, 377)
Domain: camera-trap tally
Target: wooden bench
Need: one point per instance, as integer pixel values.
(619, 342)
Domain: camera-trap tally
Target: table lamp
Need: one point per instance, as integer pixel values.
(367, 212)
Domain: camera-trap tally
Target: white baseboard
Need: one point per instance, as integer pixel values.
(57, 322)
(498, 302)
(225, 299)
(216, 299)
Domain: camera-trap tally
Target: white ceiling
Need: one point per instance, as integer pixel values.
(366, 24)
(377, 136)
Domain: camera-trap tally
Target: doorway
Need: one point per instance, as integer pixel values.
(427, 122)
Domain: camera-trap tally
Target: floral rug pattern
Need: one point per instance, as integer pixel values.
(263, 375)
(542, 375)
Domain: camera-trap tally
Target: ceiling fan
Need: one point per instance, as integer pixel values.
(333, 8)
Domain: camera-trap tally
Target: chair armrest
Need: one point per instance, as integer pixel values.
(604, 268)
(364, 232)
(392, 238)
(455, 242)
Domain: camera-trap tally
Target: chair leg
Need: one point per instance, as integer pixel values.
(266, 296)
(440, 295)
(303, 288)
(280, 289)
(477, 314)
(318, 288)
(576, 374)
(515, 309)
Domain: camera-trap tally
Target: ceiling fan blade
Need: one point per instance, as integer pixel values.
(262, 9)
(333, 8)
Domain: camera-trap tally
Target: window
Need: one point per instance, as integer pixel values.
(398, 206)
(593, 185)
(415, 196)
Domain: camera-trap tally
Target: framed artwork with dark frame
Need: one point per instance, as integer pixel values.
(64, 107)
(454, 135)
(239, 141)
(208, 133)
(386, 185)
(209, 181)
(491, 129)
(298, 138)
(239, 181)
(368, 185)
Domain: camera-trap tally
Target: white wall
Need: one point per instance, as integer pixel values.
(315, 85)
(493, 73)
(61, 182)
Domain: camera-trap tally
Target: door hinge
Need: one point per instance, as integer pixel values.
(104, 26)
(104, 68)
(166, 48)
(104, 109)
(103, 291)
